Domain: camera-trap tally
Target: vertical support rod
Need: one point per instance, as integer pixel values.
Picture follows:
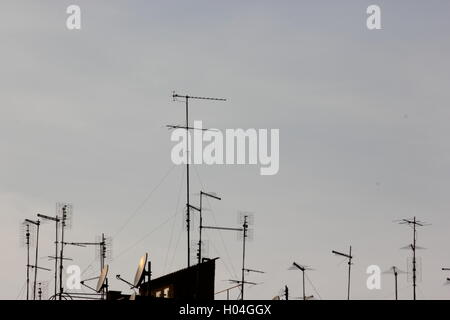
(414, 260)
(243, 256)
(63, 225)
(349, 270)
(56, 255)
(28, 261)
(188, 216)
(102, 252)
(200, 231)
(396, 291)
(304, 295)
(36, 259)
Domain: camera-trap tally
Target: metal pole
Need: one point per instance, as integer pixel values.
(36, 259)
(395, 275)
(102, 252)
(56, 256)
(304, 295)
(200, 231)
(349, 269)
(414, 260)
(243, 256)
(63, 224)
(286, 292)
(188, 217)
(28, 260)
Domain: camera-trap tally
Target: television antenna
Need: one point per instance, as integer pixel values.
(395, 271)
(175, 96)
(28, 243)
(413, 223)
(65, 211)
(37, 224)
(349, 257)
(103, 243)
(302, 268)
(244, 231)
(141, 273)
(57, 221)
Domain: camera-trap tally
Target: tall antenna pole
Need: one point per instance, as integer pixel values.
(56, 255)
(199, 258)
(396, 290)
(303, 269)
(349, 257)
(414, 259)
(188, 215)
(244, 230)
(56, 220)
(28, 260)
(102, 252)
(304, 293)
(36, 259)
(61, 256)
(349, 273)
(414, 223)
(395, 271)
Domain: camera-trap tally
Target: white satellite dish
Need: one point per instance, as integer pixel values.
(102, 278)
(140, 271)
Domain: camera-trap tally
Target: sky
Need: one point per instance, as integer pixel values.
(362, 115)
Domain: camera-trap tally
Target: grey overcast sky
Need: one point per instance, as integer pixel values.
(363, 118)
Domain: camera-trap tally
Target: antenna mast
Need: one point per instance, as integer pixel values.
(56, 220)
(188, 217)
(395, 271)
(244, 230)
(37, 223)
(65, 212)
(27, 235)
(302, 268)
(414, 223)
(349, 257)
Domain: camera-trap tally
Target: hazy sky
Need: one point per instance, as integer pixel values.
(363, 118)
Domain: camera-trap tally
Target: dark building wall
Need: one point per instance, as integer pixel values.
(196, 282)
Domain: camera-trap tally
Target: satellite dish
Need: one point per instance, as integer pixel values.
(140, 271)
(102, 278)
(276, 298)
